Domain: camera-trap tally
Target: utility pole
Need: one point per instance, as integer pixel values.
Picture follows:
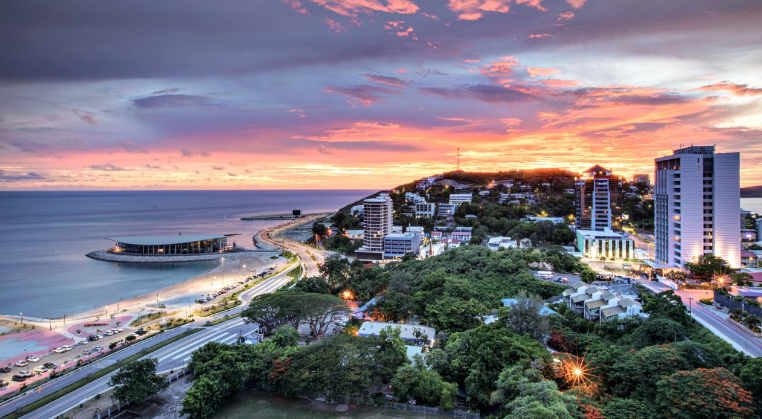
(690, 306)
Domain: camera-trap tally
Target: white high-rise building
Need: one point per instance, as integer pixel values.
(697, 206)
(377, 224)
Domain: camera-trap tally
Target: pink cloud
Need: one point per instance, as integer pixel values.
(542, 72)
(406, 32)
(576, 3)
(335, 26)
(566, 16)
(475, 9)
(296, 5)
(736, 89)
(351, 8)
(540, 36)
(502, 68)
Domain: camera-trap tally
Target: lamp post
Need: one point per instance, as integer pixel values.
(223, 272)
(690, 306)
(22, 319)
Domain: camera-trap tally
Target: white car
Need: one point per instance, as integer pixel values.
(21, 363)
(120, 330)
(40, 370)
(109, 333)
(59, 350)
(33, 359)
(66, 348)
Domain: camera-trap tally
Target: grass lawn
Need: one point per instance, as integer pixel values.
(251, 404)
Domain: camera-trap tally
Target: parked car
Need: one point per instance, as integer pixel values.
(50, 365)
(21, 363)
(120, 330)
(87, 352)
(82, 342)
(33, 359)
(19, 377)
(66, 348)
(59, 350)
(97, 348)
(6, 368)
(109, 333)
(93, 338)
(40, 370)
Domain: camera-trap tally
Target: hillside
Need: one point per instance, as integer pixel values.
(752, 192)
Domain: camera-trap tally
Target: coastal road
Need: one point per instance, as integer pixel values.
(272, 237)
(727, 331)
(171, 357)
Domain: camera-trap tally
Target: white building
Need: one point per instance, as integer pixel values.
(484, 192)
(377, 225)
(605, 244)
(496, 243)
(445, 210)
(425, 210)
(697, 206)
(462, 233)
(460, 198)
(357, 210)
(598, 200)
(354, 234)
(397, 245)
(396, 229)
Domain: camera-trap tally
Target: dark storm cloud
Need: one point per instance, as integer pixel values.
(484, 92)
(171, 101)
(30, 176)
(108, 167)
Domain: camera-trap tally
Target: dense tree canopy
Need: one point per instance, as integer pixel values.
(137, 381)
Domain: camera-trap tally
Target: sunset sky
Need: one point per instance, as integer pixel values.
(328, 94)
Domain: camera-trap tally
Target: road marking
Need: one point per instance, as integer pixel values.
(198, 345)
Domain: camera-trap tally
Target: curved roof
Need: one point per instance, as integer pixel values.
(160, 240)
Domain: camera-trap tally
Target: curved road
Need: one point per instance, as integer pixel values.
(311, 257)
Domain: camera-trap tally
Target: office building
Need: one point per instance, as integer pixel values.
(460, 198)
(598, 200)
(425, 210)
(607, 244)
(642, 178)
(397, 245)
(377, 220)
(697, 206)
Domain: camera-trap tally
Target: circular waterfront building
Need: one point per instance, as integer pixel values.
(169, 245)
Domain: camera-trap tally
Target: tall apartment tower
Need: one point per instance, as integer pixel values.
(697, 204)
(377, 218)
(598, 200)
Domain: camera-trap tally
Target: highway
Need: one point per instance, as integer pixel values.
(171, 357)
(721, 327)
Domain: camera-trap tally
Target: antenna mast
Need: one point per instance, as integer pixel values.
(458, 158)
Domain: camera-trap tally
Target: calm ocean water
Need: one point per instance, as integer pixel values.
(752, 204)
(44, 237)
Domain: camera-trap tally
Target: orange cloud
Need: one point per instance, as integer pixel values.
(540, 36)
(537, 71)
(335, 26)
(576, 3)
(566, 16)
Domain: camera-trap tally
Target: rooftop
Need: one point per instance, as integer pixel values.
(161, 240)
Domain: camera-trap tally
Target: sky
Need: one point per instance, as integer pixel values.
(356, 94)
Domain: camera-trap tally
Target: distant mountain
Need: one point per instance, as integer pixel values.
(752, 192)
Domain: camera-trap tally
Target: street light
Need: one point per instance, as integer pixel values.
(690, 306)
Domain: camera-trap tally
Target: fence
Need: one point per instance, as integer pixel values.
(117, 408)
(732, 304)
(431, 410)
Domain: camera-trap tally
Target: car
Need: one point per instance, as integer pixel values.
(50, 365)
(82, 342)
(100, 336)
(33, 359)
(59, 350)
(87, 352)
(19, 377)
(109, 333)
(3, 384)
(21, 363)
(97, 348)
(6, 368)
(93, 338)
(40, 370)
(66, 348)
(120, 330)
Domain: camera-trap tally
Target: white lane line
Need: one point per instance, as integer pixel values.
(195, 343)
(187, 351)
(230, 339)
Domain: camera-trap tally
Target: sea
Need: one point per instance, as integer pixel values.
(752, 204)
(44, 237)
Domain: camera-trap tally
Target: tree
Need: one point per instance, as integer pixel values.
(286, 336)
(265, 310)
(335, 270)
(587, 275)
(525, 316)
(319, 229)
(667, 304)
(709, 267)
(703, 393)
(315, 284)
(635, 373)
(137, 381)
(751, 377)
(629, 409)
(320, 311)
(678, 277)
